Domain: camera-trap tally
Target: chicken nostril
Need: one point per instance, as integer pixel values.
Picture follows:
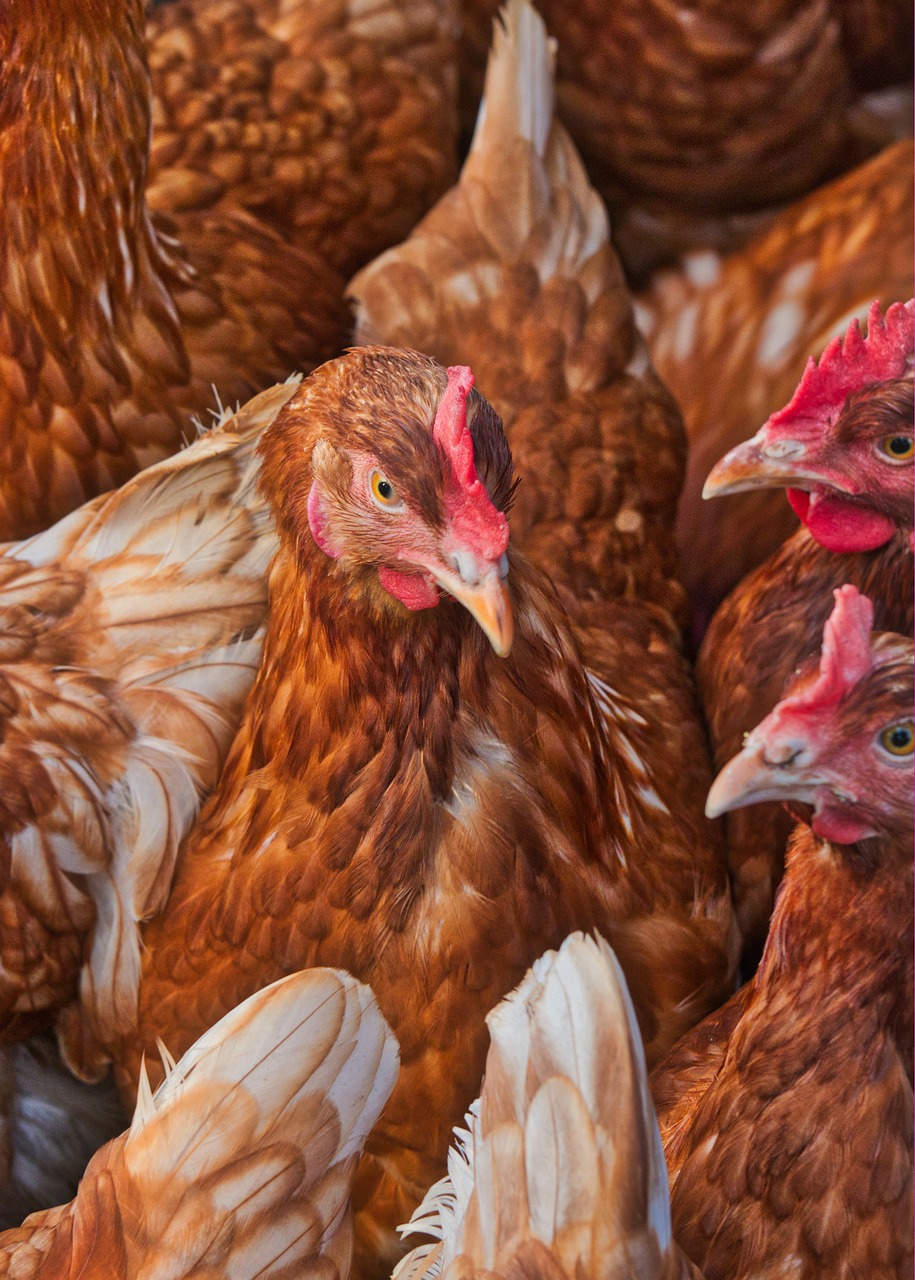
(466, 566)
(787, 756)
(783, 449)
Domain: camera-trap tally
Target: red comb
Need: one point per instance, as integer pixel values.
(851, 363)
(450, 429)
(846, 654)
(474, 520)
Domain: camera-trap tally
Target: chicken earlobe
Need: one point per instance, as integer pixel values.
(243, 1157)
(560, 1170)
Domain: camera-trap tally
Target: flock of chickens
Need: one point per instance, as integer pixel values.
(357, 759)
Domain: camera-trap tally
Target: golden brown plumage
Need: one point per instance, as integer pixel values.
(560, 1171)
(129, 636)
(242, 1163)
(334, 121)
(773, 620)
(115, 323)
(697, 122)
(401, 801)
(797, 1156)
(731, 336)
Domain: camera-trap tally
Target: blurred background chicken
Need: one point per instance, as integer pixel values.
(843, 447)
(334, 121)
(116, 321)
(242, 1162)
(698, 122)
(559, 1173)
(730, 337)
(787, 1117)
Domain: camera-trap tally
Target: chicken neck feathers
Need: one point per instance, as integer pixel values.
(813, 1087)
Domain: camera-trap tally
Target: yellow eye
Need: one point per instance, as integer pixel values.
(898, 739)
(384, 492)
(898, 448)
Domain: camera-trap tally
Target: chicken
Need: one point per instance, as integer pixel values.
(403, 800)
(130, 633)
(556, 1174)
(54, 1124)
(698, 122)
(513, 273)
(114, 325)
(242, 1163)
(731, 336)
(845, 443)
(334, 121)
(797, 1156)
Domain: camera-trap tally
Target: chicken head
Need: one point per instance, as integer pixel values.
(407, 514)
(837, 741)
(843, 446)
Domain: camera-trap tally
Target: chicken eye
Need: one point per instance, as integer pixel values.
(384, 492)
(898, 739)
(897, 448)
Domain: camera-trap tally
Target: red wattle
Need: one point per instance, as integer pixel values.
(412, 589)
(840, 525)
(831, 822)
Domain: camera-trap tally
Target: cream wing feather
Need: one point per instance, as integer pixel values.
(242, 1162)
(129, 636)
(560, 1171)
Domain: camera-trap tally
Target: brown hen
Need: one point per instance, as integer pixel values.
(242, 1163)
(834, 447)
(731, 336)
(697, 121)
(115, 323)
(796, 1158)
(513, 272)
(129, 637)
(334, 121)
(401, 801)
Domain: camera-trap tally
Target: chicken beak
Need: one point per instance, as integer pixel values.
(752, 778)
(761, 463)
(487, 600)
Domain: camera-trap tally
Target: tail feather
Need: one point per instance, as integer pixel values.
(562, 1156)
(523, 201)
(241, 1164)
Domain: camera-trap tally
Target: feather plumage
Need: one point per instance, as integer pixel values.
(560, 1171)
(399, 799)
(129, 635)
(242, 1162)
(54, 1125)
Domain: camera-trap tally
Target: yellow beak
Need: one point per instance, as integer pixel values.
(487, 600)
